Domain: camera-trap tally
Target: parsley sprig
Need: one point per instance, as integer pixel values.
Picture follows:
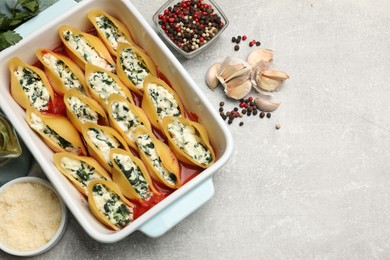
(12, 14)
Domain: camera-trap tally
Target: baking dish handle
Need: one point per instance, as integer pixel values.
(44, 17)
(179, 210)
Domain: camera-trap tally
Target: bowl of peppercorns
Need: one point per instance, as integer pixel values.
(190, 26)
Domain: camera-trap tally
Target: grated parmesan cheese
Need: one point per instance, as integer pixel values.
(30, 216)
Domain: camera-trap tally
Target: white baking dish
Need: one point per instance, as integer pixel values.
(180, 203)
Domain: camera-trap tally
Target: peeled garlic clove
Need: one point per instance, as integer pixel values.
(237, 88)
(265, 105)
(260, 55)
(211, 75)
(275, 74)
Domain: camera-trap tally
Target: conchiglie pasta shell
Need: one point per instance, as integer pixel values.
(94, 151)
(143, 56)
(169, 160)
(56, 81)
(180, 154)
(85, 159)
(121, 28)
(111, 186)
(103, 119)
(90, 69)
(137, 111)
(62, 126)
(121, 180)
(147, 103)
(17, 91)
(93, 41)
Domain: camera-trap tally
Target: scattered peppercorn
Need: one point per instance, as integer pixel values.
(254, 112)
(236, 47)
(243, 111)
(262, 114)
(268, 114)
(233, 39)
(244, 37)
(258, 43)
(235, 109)
(230, 121)
(241, 123)
(221, 104)
(277, 126)
(221, 109)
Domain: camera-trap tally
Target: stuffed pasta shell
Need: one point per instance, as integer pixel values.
(189, 141)
(108, 205)
(30, 86)
(125, 117)
(62, 72)
(100, 139)
(133, 65)
(102, 84)
(131, 175)
(81, 109)
(85, 48)
(56, 131)
(80, 170)
(160, 100)
(110, 30)
(158, 158)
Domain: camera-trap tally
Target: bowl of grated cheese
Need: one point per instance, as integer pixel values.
(33, 217)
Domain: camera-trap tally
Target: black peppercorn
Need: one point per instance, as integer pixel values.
(241, 123)
(268, 114)
(262, 114)
(236, 47)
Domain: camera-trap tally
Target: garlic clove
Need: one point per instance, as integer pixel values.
(266, 105)
(228, 70)
(237, 89)
(268, 84)
(275, 74)
(260, 55)
(211, 75)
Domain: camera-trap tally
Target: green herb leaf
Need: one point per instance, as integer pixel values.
(15, 12)
(8, 38)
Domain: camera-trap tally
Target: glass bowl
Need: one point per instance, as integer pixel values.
(216, 10)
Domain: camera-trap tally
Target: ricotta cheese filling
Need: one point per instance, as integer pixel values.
(38, 125)
(134, 175)
(109, 203)
(33, 86)
(80, 171)
(134, 67)
(85, 50)
(83, 112)
(126, 119)
(104, 142)
(104, 85)
(189, 141)
(163, 101)
(145, 143)
(63, 71)
(113, 35)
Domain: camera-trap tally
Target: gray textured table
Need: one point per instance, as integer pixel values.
(319, 186)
